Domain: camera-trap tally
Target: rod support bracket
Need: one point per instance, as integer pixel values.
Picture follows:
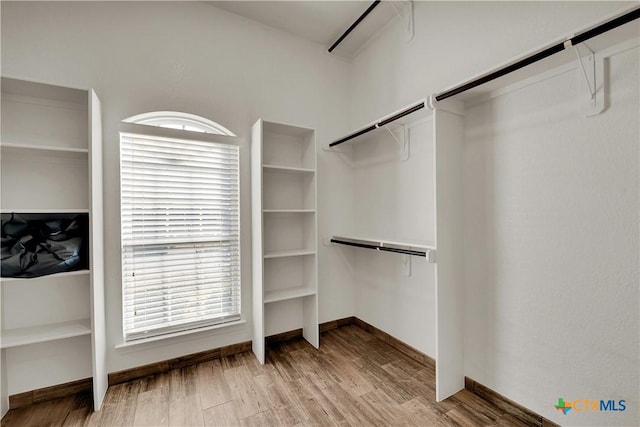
(406, 265)
(407, 17)
(403, 142)
(591, 68)
(431, 256)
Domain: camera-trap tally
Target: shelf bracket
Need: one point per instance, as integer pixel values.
(407, 17)
(344, 155)
(431, 256)
(406, 265)
(333, 150)
(404, 143)
(591, 66)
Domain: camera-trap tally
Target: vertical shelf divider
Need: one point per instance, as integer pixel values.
(258, 342)
(448, 130)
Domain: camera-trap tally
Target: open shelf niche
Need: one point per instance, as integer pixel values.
(419, 149)
(284, 224)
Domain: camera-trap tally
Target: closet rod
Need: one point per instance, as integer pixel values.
(354, 25)
(379, 124)
(380, 248)
(545, 53)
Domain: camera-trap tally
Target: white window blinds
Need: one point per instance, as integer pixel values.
(180, 234)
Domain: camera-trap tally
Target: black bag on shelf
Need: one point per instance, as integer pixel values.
(33, 248)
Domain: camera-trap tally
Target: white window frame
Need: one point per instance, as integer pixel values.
(163, 132)
(180, 121)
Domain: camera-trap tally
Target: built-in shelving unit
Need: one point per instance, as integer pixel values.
(444, 139)
(447, 133)
(53, 326)
(284, 232)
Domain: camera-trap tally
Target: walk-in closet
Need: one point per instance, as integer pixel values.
(287, 213)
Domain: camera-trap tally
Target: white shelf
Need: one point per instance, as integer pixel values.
(417, 244)
(286, 294)
(44, 211)
(12, 147)
(393, 245)
(282, 254)
(413, 113)
(43, 94)
(288, 210)
(44, 333)
(287, 169)
(48, 276)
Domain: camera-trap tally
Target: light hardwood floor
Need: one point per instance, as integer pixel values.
(354, 379)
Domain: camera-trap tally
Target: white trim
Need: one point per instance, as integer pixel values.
(173, 134)
(132, 343)
(160, 118)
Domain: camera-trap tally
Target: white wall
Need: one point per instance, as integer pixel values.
(192, 57)
(454, 41)
(551, 245)
(393, 200)
(551, 204)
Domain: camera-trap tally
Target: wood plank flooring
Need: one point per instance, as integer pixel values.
(354, 379)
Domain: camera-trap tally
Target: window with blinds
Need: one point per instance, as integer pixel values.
(180, 234)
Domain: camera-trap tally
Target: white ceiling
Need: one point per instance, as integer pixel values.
(319, 21)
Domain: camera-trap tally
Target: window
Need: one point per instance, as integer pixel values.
(182, 121)
(180, 233)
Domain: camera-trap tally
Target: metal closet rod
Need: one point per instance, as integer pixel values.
(354, 25)
(380, 248)
(559, 47)
(381, 123)
(545, 53)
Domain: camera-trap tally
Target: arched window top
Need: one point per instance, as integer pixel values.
(178, 120)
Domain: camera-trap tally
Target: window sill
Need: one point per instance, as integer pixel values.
(180, 334)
